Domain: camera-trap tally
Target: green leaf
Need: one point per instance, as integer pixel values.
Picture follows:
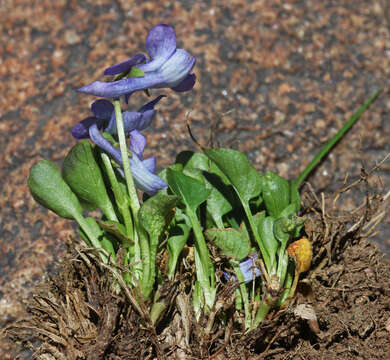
(191, 191)
(83, 175)
(117, 229)
(156, 213)
(238, 170)
(295, 198)
(163, 173)
(50, 190)
(217, 206)
(197, 299)
(289, 276)
(195, 174)
(175, 246)
(154, 216)
(288, 210)
(265, 227)
(259, 217)
(232, 242)
(334, 140)
(86, 205)
(196, 160)
(158, 309)
(276, 193)
(193, 160)
(218, 201)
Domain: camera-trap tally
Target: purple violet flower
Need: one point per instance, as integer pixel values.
(168, 67)
(142, 170)
(104, 118)
(248, 268)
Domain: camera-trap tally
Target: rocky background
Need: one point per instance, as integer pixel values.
(276, 79)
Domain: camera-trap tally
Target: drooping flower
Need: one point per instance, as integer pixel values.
(168, 67)
(104, 118)
(248, 268)
(142, 170)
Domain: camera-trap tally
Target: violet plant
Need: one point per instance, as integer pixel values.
(214, 200)
(106, 173)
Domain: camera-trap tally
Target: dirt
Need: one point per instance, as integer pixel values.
(341, 310)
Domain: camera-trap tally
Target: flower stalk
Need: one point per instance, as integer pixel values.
(134, 202)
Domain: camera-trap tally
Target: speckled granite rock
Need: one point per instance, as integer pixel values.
(276, 78)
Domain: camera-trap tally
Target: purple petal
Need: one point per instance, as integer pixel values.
(150, 105)
(176, 68)
(150, 164)
(160, 45)
(249, 268)
(131, 120)
(186, 84)
(111, 127)
(137, 143)
(80, 131)
(146, 119)
(102, 109)
(126, 65)
(104, 144)
(147, 111)
(144, 179)
(118, 88)
(228, 277)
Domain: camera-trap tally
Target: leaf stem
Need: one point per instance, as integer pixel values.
(333, 141)
(146, 281)
(94, 240)
(201, 245)
(244, 292)
(203, 264)
(261, 314)
(120, 199)
(110, 213)
(263, 250)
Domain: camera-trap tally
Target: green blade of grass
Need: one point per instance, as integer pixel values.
(333, 141)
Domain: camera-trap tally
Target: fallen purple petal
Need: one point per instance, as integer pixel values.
(248, 268)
